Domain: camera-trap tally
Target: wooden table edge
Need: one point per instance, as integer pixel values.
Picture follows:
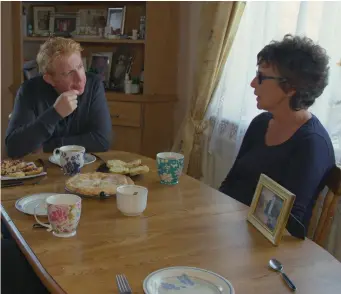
(43, 275)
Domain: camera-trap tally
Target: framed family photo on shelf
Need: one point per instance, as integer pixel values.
(92, 17)
(270, 208)
(64, 24)
(100, 63)
(41, 19)
(116, 20)
(122, 62)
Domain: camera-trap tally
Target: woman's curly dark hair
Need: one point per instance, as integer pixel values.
(302, 63)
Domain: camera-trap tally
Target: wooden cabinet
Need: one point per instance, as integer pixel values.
(127, 139)
(125, 114)
(141, 123)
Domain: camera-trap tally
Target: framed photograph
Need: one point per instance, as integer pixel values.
(41, 19)
(116, 20)
(92, 18)
(122, 63)
(100, 64)
(65, 23)
(270, 208)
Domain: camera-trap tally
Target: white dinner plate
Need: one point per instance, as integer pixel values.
(28, 203)
(88, 158)
(4, 178)
(189, 280)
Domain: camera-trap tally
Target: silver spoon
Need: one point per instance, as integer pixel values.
(277, 266)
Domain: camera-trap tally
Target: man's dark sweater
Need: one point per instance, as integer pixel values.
(300, 164)
(35, 123)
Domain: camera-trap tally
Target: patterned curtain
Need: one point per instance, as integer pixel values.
(219, 24)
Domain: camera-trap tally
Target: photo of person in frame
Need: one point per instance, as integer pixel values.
(43, 20)
(268, 208)
(100, 66)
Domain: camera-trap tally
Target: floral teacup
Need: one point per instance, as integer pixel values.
(71, 158)
(170, 166)
(64, 212)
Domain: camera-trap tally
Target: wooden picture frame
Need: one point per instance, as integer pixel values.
(92, 17)
(270, 208)
(100, 63)
(64, 23)
(116, 20)
(122, 62)
(42, 19)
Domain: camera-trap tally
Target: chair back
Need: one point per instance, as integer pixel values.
(320, 223)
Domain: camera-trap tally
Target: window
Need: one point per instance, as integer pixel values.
(234, 102)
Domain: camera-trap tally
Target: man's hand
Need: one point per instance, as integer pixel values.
(66, 103)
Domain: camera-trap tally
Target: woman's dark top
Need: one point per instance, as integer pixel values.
(300, 164)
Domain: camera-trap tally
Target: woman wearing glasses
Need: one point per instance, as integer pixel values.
(286, 142)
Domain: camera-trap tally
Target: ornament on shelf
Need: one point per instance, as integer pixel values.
(142, 27)
(29, 30)
(24, 22)
(134, 35)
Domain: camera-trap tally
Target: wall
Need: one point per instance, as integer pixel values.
(189, 27)
(6, 69)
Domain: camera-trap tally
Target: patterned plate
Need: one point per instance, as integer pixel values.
(189, 280)
(28, 203)
(43, 173)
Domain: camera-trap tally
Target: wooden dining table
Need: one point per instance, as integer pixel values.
(188, 224)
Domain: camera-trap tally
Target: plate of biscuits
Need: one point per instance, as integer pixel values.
(19, 169)
(131, 168)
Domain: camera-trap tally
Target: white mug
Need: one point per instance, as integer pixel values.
(131, 199)
(71, 158)
(64, 212)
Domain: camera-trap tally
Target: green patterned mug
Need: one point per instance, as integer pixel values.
(170, 166)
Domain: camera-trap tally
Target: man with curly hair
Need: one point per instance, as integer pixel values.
(287, 142)
(63, 106)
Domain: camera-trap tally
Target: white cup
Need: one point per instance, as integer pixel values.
(71, 158)
(131, 199)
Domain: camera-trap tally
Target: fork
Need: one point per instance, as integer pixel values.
(123, 285)
(11, 184)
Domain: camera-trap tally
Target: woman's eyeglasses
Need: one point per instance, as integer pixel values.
(262, 77)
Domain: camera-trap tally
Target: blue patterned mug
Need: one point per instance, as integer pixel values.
(71, 158)
(170, 166)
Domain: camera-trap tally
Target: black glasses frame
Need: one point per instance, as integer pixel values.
(262, 77)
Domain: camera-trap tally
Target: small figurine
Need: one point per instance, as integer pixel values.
(30, 30)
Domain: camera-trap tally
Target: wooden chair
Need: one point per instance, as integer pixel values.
(330, 203)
